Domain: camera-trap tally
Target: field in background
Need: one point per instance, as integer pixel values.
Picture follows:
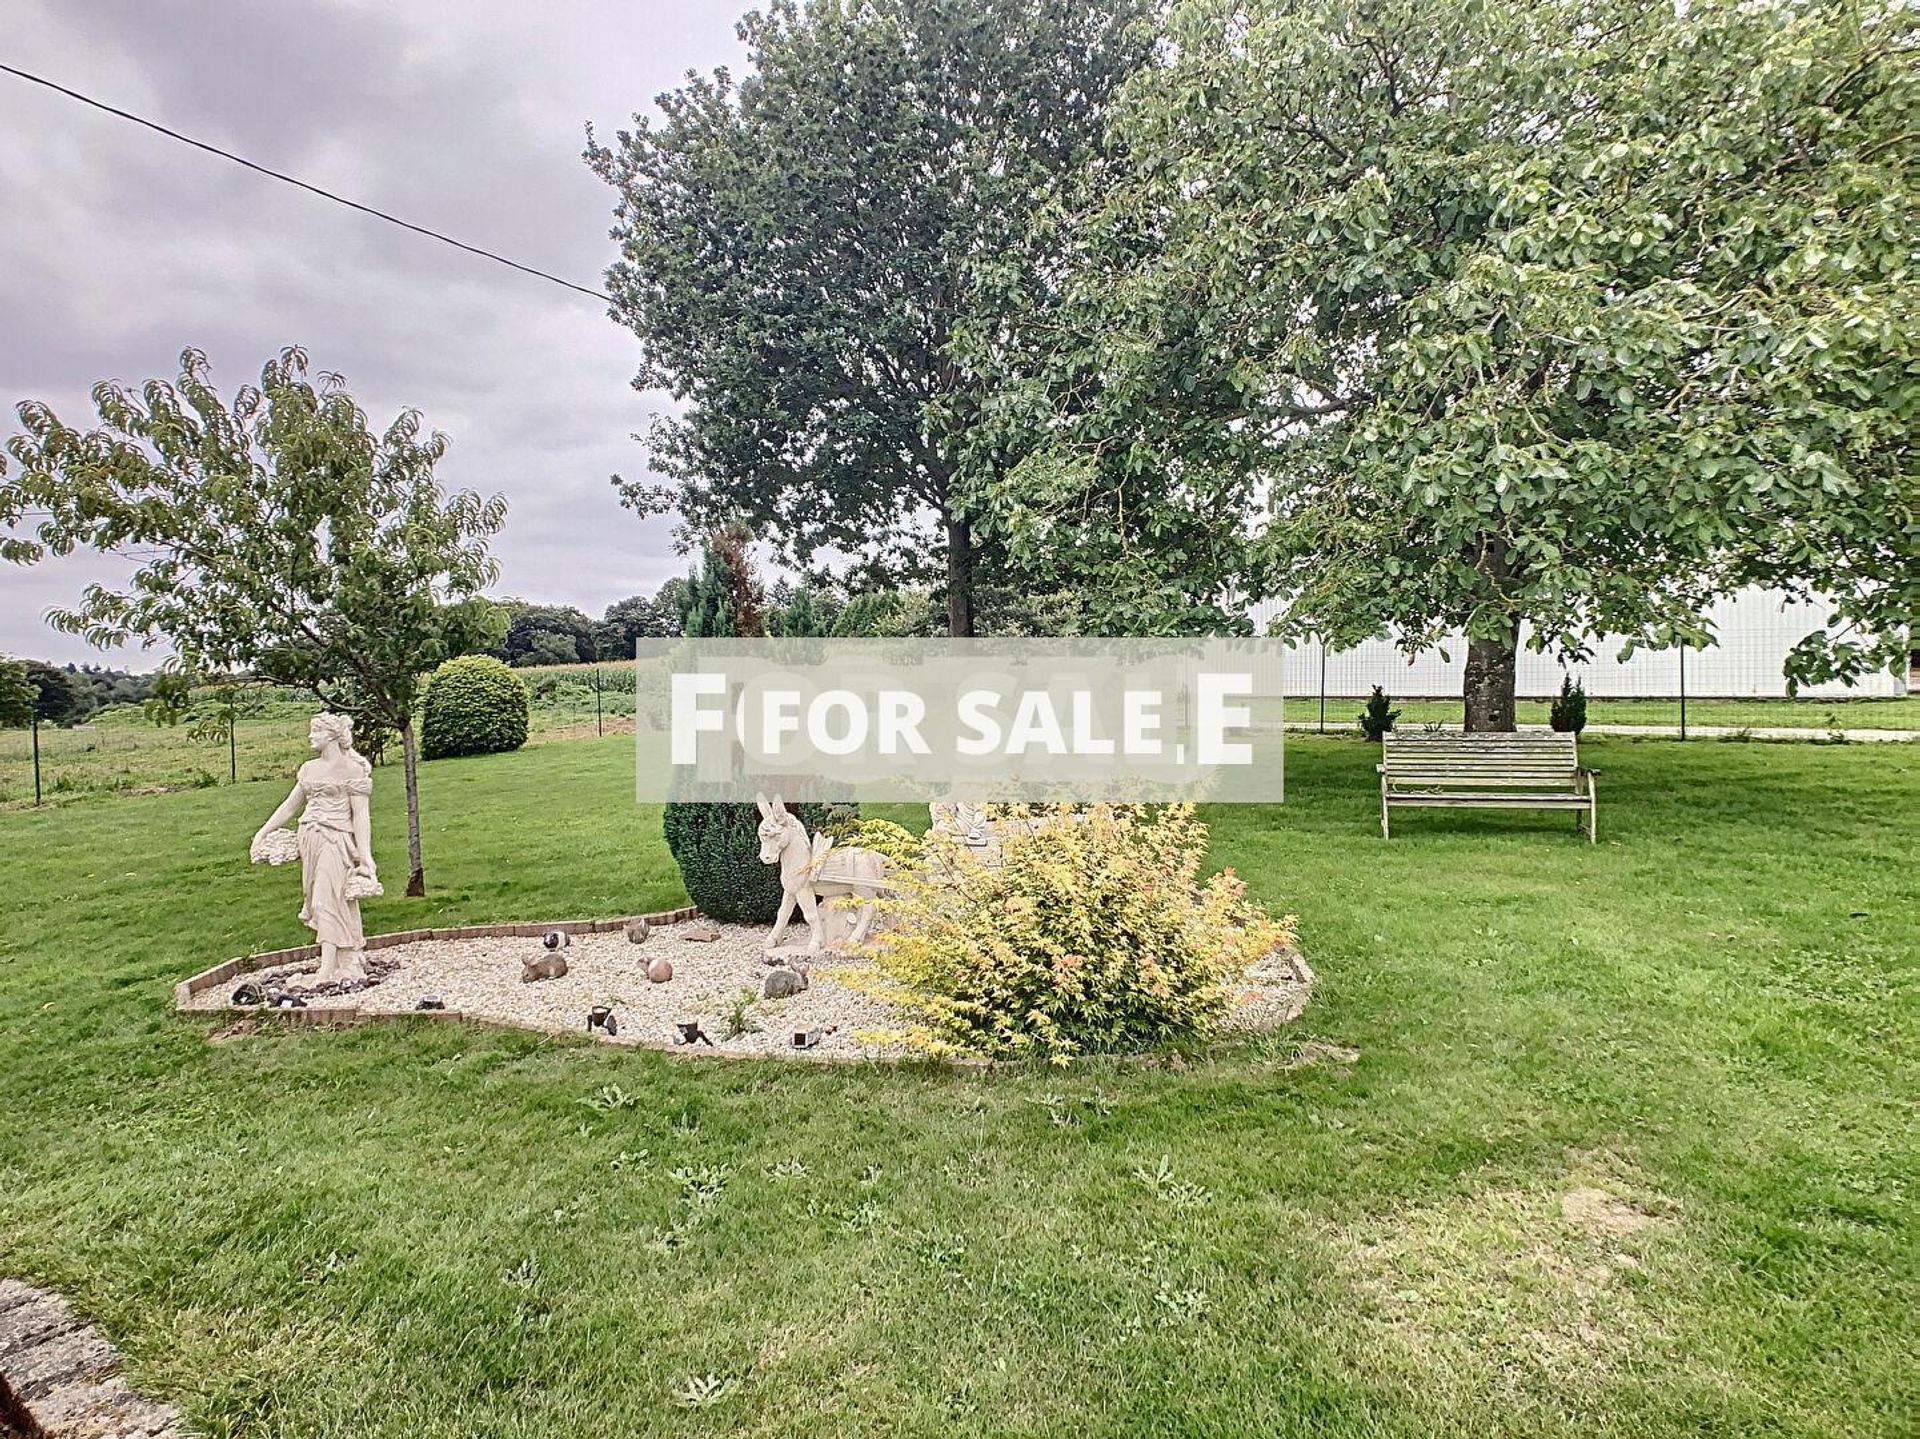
(121, 752)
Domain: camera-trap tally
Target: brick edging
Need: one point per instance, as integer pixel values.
(300, 954)
(61, 1375)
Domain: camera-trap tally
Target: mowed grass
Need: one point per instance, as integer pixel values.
(1573, 1141)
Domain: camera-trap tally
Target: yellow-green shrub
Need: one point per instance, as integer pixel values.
(896, 842)
(1094, 934)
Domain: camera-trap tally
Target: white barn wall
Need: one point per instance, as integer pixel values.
(1756, 628)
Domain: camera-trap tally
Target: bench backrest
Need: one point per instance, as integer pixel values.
(1531, 758)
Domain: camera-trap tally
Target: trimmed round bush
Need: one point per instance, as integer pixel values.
(473, 705)
(717, 846)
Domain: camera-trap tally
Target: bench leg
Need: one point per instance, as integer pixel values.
(1385, 832)
(1593, 812)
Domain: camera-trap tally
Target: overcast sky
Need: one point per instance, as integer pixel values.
(119, 247)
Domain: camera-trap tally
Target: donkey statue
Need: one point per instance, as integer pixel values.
(812, 870)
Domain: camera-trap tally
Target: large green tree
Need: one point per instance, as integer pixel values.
(548, 635)
(1536, 313)
(639, 617)
(797, 249)
(276, 534)
(17, 695)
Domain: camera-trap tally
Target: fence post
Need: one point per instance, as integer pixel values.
(1323, 686)
(1683, 689)
(36, 758)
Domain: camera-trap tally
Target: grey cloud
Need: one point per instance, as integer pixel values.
(119, 247)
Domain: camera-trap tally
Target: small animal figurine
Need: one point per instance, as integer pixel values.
(548, 966)
(815, 869)
(659, 969)
(556, 939)
(638, 931)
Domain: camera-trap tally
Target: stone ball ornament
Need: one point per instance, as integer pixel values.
(660, 970)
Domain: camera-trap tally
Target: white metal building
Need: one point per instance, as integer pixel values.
(1756, 628)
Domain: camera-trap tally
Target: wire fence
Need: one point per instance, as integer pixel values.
(120, 751)
(1736, 685)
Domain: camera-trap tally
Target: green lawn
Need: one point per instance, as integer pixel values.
(422, 1231)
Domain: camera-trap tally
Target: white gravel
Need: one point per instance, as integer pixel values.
(481, 978)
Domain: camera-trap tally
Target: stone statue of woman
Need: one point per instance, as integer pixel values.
(330, 794)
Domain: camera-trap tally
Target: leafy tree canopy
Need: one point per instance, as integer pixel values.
(17, 695)
(548, 635)
(640, 617)
(59, 697)
(276, 533)
(1434, 317)
(797, 247)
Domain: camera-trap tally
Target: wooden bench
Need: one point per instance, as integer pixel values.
(1535, 770)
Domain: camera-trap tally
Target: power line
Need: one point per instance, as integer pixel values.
(301, 184)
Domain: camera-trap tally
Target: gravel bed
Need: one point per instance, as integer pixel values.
(481, 978)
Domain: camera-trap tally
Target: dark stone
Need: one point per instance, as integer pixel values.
(783, 984)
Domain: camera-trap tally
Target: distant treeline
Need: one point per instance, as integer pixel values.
(68, 694)
(722, 596)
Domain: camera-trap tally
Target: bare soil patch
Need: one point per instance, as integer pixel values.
(1522, 1289)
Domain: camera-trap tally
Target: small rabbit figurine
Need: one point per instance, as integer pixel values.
(548, 966)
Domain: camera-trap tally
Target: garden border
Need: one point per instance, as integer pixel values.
(300, 953)
(340, 1016)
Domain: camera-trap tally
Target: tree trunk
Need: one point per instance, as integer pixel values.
(416, 875)
(1489, 686)
(959, 577)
